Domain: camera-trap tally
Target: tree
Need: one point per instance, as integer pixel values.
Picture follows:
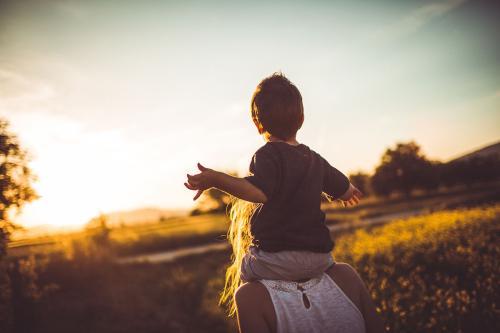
(404, 169)
(99, 231)
(16, 181)
(16, 190)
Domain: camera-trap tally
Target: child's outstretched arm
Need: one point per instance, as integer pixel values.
(352, 196)
(238, 187)
(335, 184)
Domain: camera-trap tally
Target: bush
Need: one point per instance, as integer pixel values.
(432, 273)
(102, 296)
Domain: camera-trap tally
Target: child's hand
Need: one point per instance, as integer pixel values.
(202, 181)
(351, 197)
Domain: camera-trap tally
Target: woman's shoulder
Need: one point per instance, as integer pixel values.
(348, 280)
(345, 274)
(353, 287)
(255, 308)
(342, 270)
(251, 294)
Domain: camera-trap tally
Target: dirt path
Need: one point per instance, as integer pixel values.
(372, 221)
(172, 255)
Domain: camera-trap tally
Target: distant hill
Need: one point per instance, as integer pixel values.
(493, 149)
(142, 215)
(114, 219)
(41, 231)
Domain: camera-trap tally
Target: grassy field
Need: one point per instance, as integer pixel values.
(433, 273)
(426, 202)
(141, 238)
(194, 230)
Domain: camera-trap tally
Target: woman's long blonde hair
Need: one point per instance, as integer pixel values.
(240, 238)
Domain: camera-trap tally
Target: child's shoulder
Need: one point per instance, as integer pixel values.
(270, 148)
(273, 148)
(265, 149)
(280, 145)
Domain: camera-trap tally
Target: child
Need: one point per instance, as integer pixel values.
(290, 239)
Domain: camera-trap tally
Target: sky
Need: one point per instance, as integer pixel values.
(117, 100)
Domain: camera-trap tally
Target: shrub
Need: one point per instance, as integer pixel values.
(432, 273)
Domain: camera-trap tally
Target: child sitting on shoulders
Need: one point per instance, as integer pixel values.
(290, 239)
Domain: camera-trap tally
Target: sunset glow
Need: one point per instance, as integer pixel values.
(116, 101)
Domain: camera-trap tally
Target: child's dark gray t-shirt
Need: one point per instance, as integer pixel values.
(293, 178)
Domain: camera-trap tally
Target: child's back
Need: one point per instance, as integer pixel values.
(293, 178)
(290, 239)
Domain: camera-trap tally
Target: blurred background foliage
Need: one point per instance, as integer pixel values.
(434, 272)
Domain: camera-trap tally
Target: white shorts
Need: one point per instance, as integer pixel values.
(283, 265)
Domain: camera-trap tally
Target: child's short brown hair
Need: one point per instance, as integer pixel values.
(277, 107)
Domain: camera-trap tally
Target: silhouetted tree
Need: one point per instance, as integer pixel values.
(404, 169)
(99, 231)
(15, 191)
(430, 176)
(15, 181)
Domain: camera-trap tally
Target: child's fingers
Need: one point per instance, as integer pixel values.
(352, 201)
(189, 186)
(201, 167)
(198, 194)
(194, 177)
(193, 180)
(192, 183)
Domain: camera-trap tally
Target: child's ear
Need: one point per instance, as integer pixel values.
(261, 129)
(259, 126)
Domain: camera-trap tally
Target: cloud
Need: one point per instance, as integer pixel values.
(42, 83)
(15, 87)
(417, 19)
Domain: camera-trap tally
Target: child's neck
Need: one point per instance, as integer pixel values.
(291, 141)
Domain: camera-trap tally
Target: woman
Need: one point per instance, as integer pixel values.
(338, 302)
(278, 229)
